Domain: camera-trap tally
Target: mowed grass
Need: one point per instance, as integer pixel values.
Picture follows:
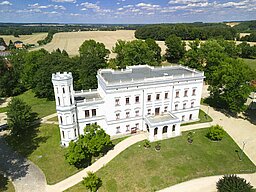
(140, 169)
(251, 63)
(204, 118)
(49, 155)
(41, 106)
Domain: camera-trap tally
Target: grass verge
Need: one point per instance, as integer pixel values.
(140, 169)
(3, 109)
(204, 118)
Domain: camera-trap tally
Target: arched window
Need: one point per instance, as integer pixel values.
(63, 135)
(155, 131)
(70, 101)
(59, 100)
(165, 129)
(73, 118)
(63, 89)
(61, 121)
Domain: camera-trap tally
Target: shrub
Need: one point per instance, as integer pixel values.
(92, 182)
(215, 133)
(233, 183)
(147, 144)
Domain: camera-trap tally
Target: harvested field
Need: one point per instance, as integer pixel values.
(232, 24)
(27, 39)
(71, 41)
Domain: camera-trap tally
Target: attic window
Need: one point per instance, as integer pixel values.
(165, 74)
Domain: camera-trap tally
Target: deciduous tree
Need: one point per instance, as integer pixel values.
(92, 182)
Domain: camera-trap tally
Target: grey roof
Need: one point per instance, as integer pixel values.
(88, 97)
(161, 118)
(144, 72)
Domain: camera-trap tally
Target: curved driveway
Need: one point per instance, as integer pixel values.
(23, 173)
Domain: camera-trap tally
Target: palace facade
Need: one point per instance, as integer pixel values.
(156, 100)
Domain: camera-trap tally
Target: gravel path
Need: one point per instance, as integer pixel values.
(23, 173)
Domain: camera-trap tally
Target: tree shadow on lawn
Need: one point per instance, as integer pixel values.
(15, 150)
(218, 106)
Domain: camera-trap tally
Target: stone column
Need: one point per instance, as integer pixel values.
(151, 134)
(169, 131)
(160, 133)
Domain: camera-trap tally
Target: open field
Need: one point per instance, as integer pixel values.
(140, 169)
(71, 41)
(27, 39)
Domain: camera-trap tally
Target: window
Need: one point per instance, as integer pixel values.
(137, 113)
(137, 99)
(192, 104)
(75, 132)
(176, 107)
(194, 92)
(173, 127)
(137, 125)
(190, 117)
(177, 94)
(117, 102)
(87, 113)
(57, 89)
(59, 100)
(183, 118)
(185, 93)
(149, 111)
(166, 95)
(127, 114)
(70, 101)
(157, 111)
(157, 96)
(88, 124)
(69, 89)
(127, 100)
(61, 121)
(127, 128)
(63, 89)
(117, 116)
(165, 109)
(93, 112)
(73, 118)
(184, 105)
(117, 129)
(63, 135)
(149, 97)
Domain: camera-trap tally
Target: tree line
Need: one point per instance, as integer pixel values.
(48, 38)
(194, 31)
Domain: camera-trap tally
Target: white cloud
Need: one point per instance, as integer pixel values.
(37, 6)
(144, 5)
(90, 5)
(5, 3)
(64, 1)
(186, 1)
(94, 7)
(75, 14)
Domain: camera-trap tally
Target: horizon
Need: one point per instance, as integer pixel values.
(126, 11)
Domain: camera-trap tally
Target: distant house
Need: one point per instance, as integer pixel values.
(18, 44)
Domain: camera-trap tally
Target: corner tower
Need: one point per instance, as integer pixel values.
(65, 106)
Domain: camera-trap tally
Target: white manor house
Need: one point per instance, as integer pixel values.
(143, 98)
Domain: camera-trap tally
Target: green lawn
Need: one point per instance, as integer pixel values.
(6, 185)
(251, 63)
(140, 169)
(53, 119)
(41, 106)
(3, 109)
(45, 151)
(204, 118)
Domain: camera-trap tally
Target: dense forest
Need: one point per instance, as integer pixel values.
(202, 31)
(246, 26)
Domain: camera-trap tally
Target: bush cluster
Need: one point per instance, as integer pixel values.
(215, 133)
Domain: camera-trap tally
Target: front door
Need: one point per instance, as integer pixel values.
(157, 111)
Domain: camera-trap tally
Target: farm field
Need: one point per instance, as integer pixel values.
(27, 39)
(71, 41)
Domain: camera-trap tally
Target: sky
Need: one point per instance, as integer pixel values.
(126, 11)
